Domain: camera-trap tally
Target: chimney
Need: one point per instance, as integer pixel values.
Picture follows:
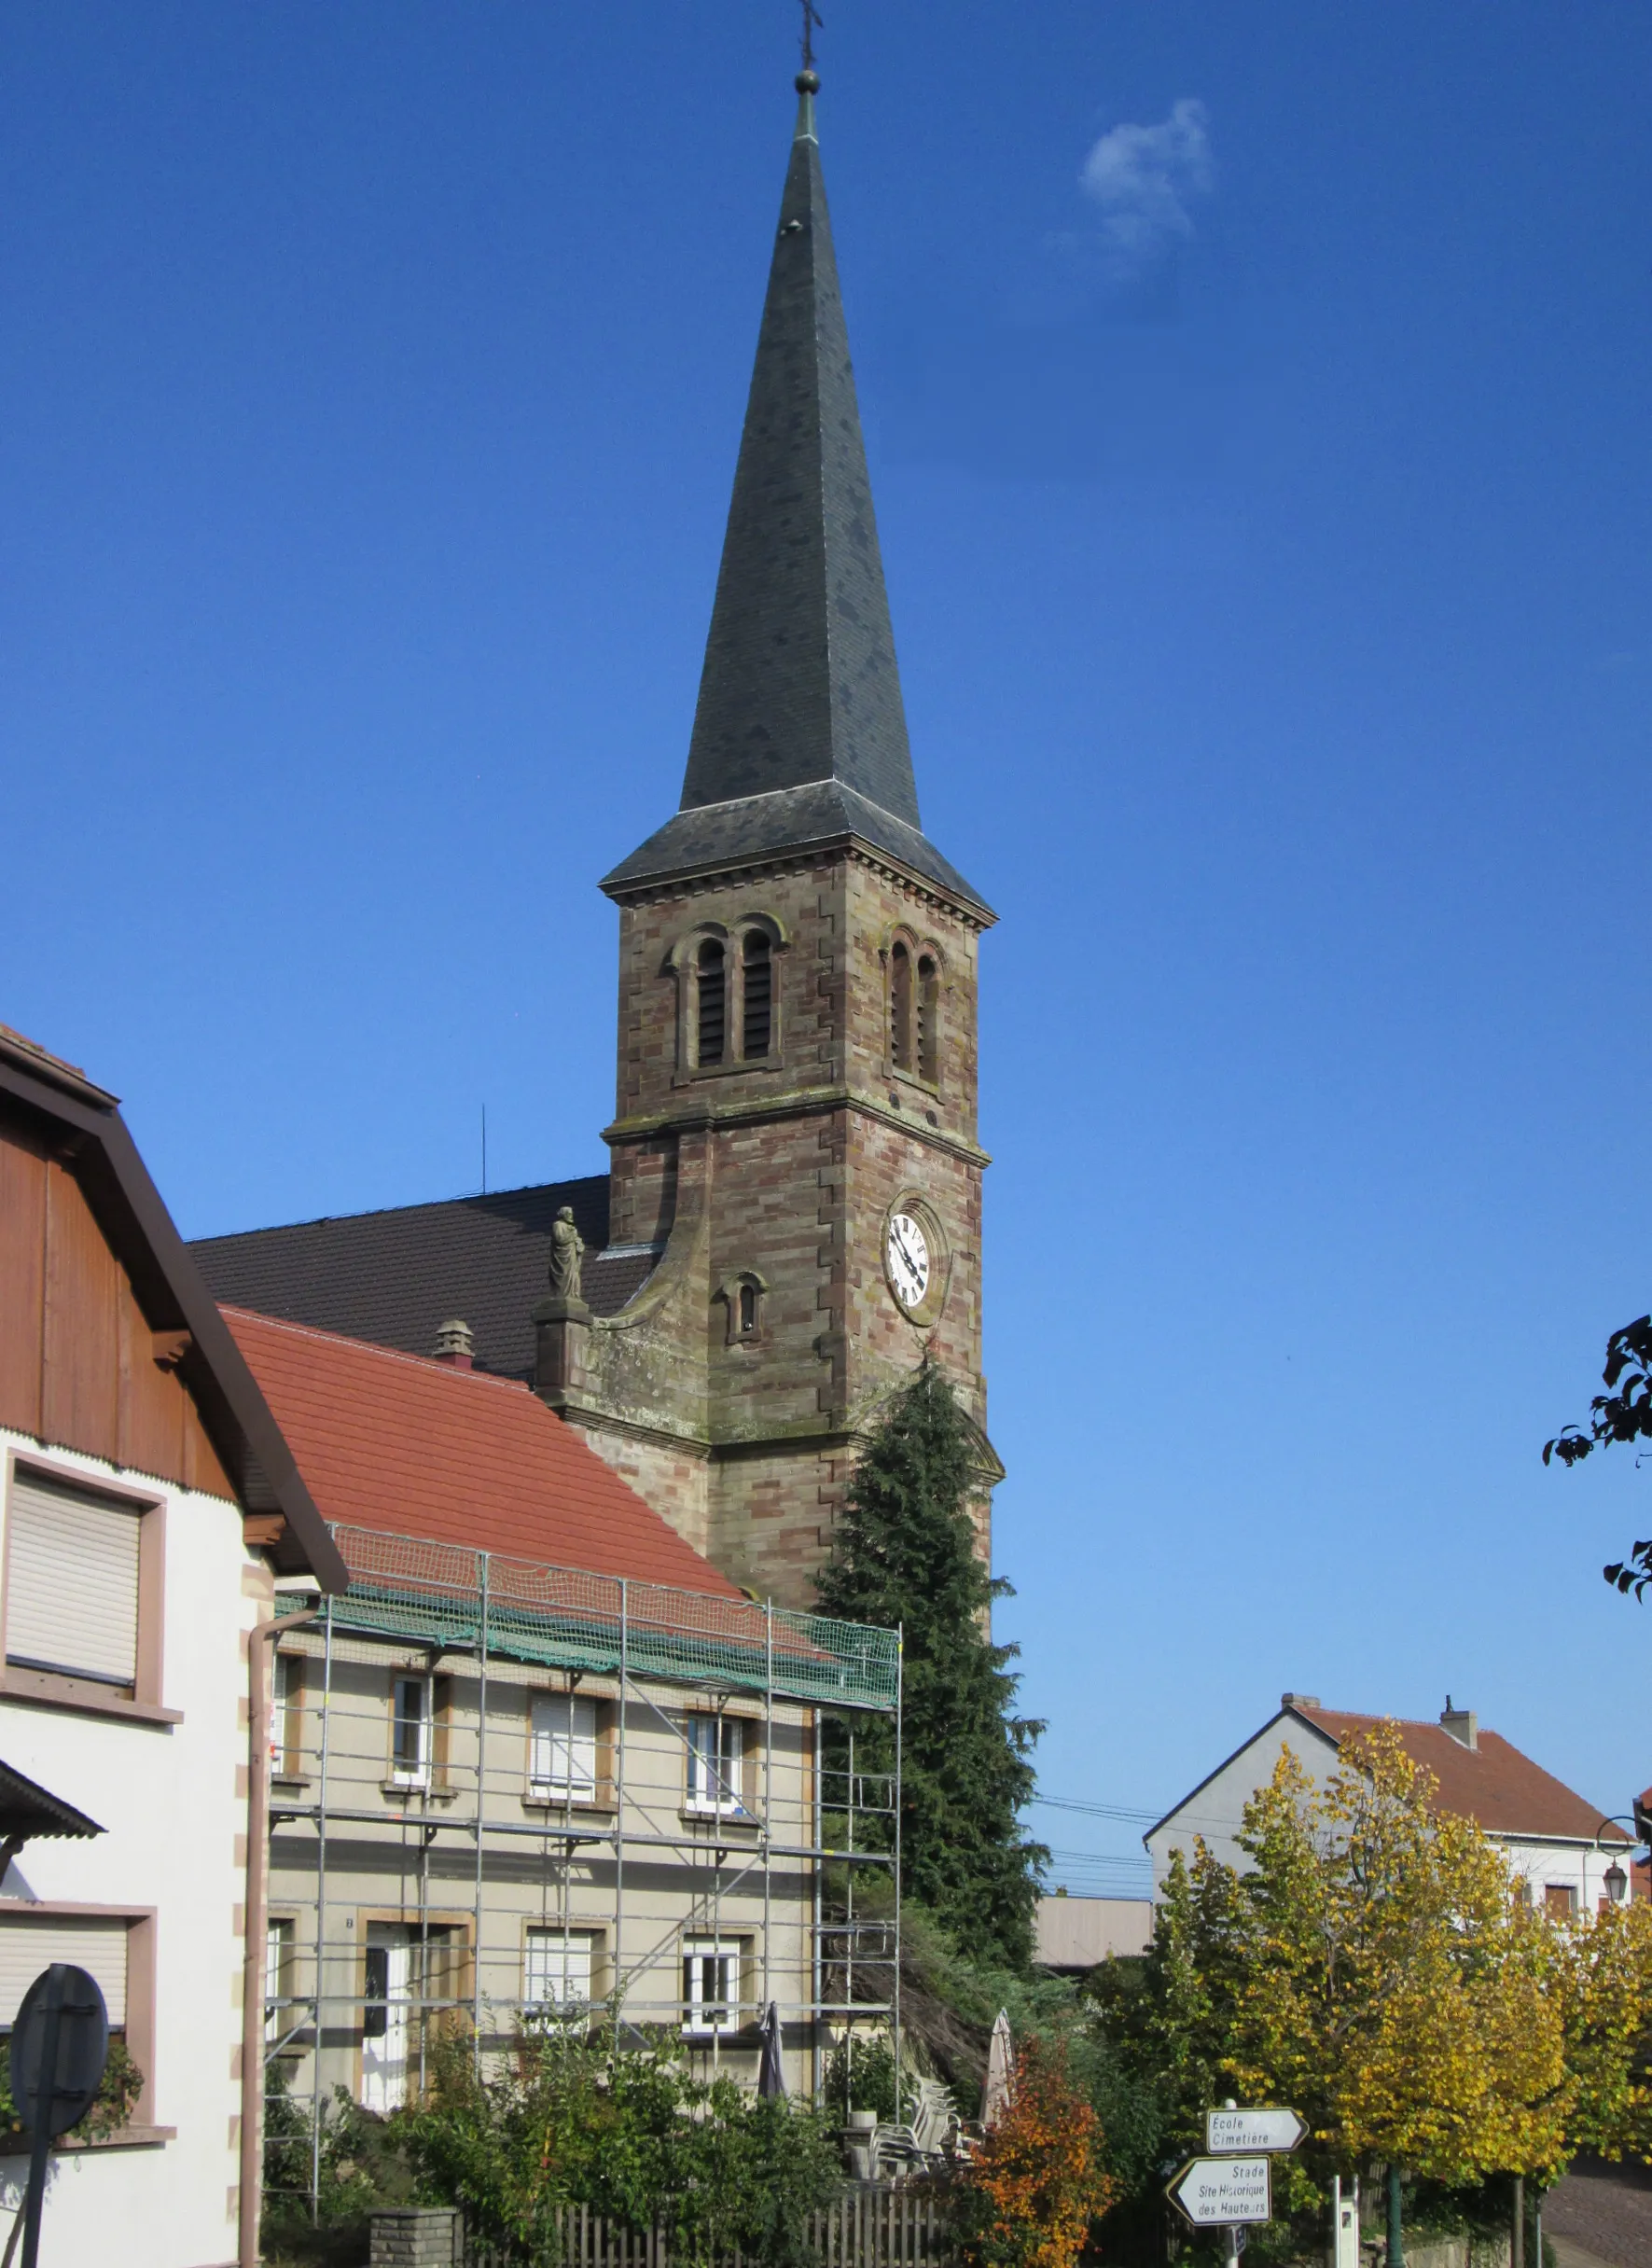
(1299, 1701)
(1462, 1724)
(453, 1345)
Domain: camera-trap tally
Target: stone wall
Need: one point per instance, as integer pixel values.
(779, 1175)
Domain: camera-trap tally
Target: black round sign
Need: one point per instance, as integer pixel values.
(64, 2096)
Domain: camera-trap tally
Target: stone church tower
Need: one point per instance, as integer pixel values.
(793, 1140)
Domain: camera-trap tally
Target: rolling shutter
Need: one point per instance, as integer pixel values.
(71, 1580)
(26, 1948)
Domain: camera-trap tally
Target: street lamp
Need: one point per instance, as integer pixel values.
(1616, 1881)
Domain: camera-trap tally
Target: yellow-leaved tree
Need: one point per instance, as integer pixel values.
(1393, 1987)
(1375, 1967)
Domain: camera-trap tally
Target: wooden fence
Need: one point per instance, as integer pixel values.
(873, 2225)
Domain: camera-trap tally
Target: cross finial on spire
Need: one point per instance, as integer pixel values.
(812, 22)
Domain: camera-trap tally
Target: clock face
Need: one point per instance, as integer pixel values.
(907, 1250)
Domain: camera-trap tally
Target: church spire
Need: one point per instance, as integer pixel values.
(800, 732)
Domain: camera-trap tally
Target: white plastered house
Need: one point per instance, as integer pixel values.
(1571, 1855)
(147, 1506)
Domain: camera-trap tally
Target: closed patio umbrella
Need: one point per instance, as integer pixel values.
(1000, 2063)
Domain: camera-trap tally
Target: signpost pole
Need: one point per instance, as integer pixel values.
(43, 2092)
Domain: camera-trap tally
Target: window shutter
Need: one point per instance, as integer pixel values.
(558, 1969)
(71, 1581)
(441, 1697)
(564, 1746)
(26, 1948)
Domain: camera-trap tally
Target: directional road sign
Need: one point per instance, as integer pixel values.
(1246, 2130)
(1222, 2192)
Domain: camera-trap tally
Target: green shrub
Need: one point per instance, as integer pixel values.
(633, 2137)
(117, 2098)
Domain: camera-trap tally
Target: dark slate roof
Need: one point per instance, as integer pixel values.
(394, 1277)
(793, 819)
(800, 732)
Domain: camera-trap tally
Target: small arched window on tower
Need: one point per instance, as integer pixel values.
(713, 1004)
(928, 1018)
(743, 1296)
(758, 1016)
(900, 1006)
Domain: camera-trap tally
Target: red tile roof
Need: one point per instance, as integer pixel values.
(1494, 1785)
(421, 1448)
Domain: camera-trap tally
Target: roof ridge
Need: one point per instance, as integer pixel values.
(387, 1354)
(378, 1212)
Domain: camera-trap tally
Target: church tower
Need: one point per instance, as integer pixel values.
(794, 1151)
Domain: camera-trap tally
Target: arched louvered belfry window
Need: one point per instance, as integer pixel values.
(712, 1008)
(900, 1006)
(928, 1018)
(758, 1013)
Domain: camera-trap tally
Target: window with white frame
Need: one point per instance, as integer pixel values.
(278, 1960)
(409, 1732)
(711, 1985)
(556, 1972)
(716, 1755)
(562, 1747)
(286, 1716)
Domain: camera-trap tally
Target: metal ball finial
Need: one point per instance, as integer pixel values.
(807, 82)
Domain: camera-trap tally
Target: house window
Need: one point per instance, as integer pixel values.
(562, 1747)
(98, 1946)
(758, 972)
(713, 1003)
(410, 1732)
(711, 1986)
(556, 1972)
(1559, 1897)
(900, 1007)
(716, 1751)
(278, 1979)
(116, 1949)
(74, 1564)
(748, 1309)
(928, 1018)
(286, 1716)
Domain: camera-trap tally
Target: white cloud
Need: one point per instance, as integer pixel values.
(1145, 178)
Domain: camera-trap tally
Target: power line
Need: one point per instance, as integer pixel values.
(1096, 1811)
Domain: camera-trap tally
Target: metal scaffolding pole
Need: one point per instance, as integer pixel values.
(486, 1627)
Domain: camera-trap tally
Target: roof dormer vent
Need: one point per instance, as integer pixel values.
(1462, 1724)
(454, 1344)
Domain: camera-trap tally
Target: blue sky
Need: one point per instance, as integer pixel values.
(1257, 401)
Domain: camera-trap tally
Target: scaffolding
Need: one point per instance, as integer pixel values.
(505, 1789)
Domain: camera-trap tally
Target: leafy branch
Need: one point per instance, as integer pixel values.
(1622, 1414)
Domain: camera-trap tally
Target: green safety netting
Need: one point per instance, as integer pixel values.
(443, 1595)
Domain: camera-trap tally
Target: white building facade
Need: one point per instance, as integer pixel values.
(146, 1508)
(1570, 1857)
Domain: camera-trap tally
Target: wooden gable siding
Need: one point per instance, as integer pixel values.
(77, 1368)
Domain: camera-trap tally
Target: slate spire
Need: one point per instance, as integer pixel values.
(800, 681)
(800, 732)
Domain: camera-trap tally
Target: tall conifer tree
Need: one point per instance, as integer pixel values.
(905, 1553)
